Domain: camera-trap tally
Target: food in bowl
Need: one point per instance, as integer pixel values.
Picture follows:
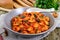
(30, 23)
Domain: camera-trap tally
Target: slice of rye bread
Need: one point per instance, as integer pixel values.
(22, 3)
(27, 2)
(6, 4)
(16, 5)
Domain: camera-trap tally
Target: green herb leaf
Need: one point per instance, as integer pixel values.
(35, 15)
(46, 4)
(25, 21)
(38, 20)
(22, 16)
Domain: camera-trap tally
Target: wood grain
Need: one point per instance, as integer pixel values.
(55, 35)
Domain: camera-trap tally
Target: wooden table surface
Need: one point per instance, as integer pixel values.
(55, 35)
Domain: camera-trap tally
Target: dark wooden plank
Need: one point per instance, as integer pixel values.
(55, 35)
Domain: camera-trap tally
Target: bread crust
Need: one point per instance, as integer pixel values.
(22, 3)
(27, 2)
(16, 5)
(6, 4)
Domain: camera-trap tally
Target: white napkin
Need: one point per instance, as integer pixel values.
(40, 10)
(1, 23)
